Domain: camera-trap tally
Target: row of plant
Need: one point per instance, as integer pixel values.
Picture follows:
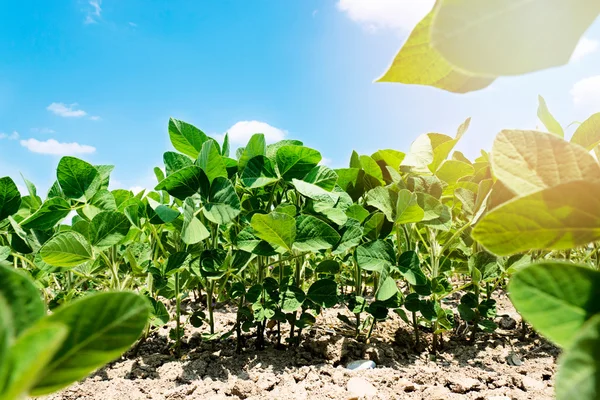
(279, 236)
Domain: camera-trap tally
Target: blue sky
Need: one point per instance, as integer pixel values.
(99, 80)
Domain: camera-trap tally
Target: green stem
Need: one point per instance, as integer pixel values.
(177, 315)
(209, 304)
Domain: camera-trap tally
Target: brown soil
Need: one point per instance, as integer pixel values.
(316, 369)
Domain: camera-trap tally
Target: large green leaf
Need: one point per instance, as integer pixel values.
(548, 119)
(407, 208)
(78, 179)
(292, 298)
(578, 374)
(561, 217)
(450, 171)
(588, 133)
(186, 138)
(315, 192)
(481, 36)
(10, 198)
(385, 200)
(322, 176)
(175, 161)
(529, 161)
(22, 297)
(223, 202)
(211, 161)
(557, 298)
(275, 228)
(29, 356)
(192, 230)
(103, 200)
(323, 292)
(377, 256)
(66, 249)
(101, 327)
(49, 214)
(296, 161)
(257, 146)
(259, 172)
(392, 158)
(312, 234)
(409, 266)
(108, 228)
(185, 182)
(419, 63)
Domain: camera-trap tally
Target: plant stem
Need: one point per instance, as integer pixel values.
(177, 315)
(209, 304)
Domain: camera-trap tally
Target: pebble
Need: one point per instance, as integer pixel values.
(507, 323)
(360, 365)
(463, 385)
(360, 387)
(532, 385)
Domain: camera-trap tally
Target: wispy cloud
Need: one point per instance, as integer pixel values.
(12, 136)
(44, 131)
(95, 118)
(586, 94)
(67, 111)
(133, 24)
(54, 147)
(585, 47)
(400, 15)
(94, 12)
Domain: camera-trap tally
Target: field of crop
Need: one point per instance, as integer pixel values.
(258, 272)
(268, 261)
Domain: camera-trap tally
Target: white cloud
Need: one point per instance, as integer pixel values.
(43, 130)
(95, 118)
(586, 94)
(400, 15)
(67, 111)
(94, 12)
(584, 48)
(51, 146)
(133, 24)
(13, 136)
(242, 131)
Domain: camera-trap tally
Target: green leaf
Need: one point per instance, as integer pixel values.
(420, 154)
(102, 326)
(561, 217)
(10, 198)
(103, 200)
(22, 297)
(419, 63)
(407, 208)
(371, 167)
(193, 230)
(296, 161)
(588, 133)
(175, 161)
(392, 158)
(66, 249)
(410, 268)
(387, 289)
(529, 161)
(211, 161)
(49, 214)
(315, 192)
(357, 212)
(78, 179)
(186, 138)
(223, 202)
(292, 298)
(351, 234)
(256, 147)
(323, 292)
(322, 176)
(274, 147)
(385, 200)
(108, 228)
(548, 119)
(29, 356)
(259, 172)
(557, 298)
(377, 256)
(452, 170)
(275, 228)
(578, 374)
(185, 182)
(105, 171)
(313, 235)
(464, 30)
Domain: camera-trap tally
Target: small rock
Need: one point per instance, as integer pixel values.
(360, 365)
(436, 393)
(507, 323)
(464, 384)
(531, 385)
(360, 387)
(405, 385)
(243, 389)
